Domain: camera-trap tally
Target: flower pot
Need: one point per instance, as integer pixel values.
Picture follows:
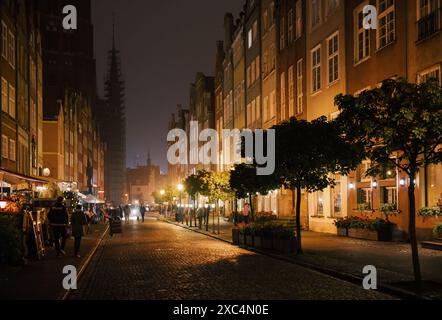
(385, 233)
(342, 232)
(267, 243)
(235, 236)
(287, 245)
(249, 240)
(258, 242)
(242, 239)
(364, 234)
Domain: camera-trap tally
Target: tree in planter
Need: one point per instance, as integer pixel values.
(193, 186)
(245, 183)
(399, 124)
(307, 154)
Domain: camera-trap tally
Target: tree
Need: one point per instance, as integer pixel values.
(307, 154)
(399, 124)
(193, 186)
(245, 183)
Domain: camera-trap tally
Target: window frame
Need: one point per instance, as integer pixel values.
(316, 69)
(331, 58)
(382, 15)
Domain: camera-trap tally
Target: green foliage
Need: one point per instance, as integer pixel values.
(401, 118)
(437, 230)
(430, 212)
(11, 249)
(244, 181)
(360, 223)
(193, 184)
(71, 200)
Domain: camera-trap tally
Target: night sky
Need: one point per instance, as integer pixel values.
(163, 44)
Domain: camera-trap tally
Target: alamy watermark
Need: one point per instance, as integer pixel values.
(70, 19)
(70, 280)
(204, 147)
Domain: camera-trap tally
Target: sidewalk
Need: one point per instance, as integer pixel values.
(346, 257)
(42, 280)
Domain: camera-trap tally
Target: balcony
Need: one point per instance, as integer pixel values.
(429, 25)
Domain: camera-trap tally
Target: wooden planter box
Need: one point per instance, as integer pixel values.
(363, 234)
(286, 246)
(258, 242)
(235, 236)
(242, 239)
(267, 243)
(249, 240)
(342, 232)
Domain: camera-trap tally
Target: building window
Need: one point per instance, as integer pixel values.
(333, 58)
(272, 105)
(253, 72)
(332, 5)
(316, 69)
(298, 19)
(265, 21)
(5, 147)
(365, 196)
(12, 152)
(266, 108)
(5, 100)
(432, 73)
(319, 212)
(433, 192)
(249, 115)
(283, 111)
(337, 198)
(11, 51)
(362, 40)
(12, 101)
(258, 108)
(299, 87)
(4, 40)
(291, 91)
(291, 26)
(389, 195)
(386, 31)
(258, 68)
(282, 34)
(315, 13)
(430, 15)
(253, 111)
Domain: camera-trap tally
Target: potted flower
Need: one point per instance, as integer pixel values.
(384, 229)
(430, 212)
(284, 240)
(342, 227)
(389, 209)
(437, 231)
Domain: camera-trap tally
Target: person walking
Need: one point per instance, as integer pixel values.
(78, 221)
(59, 219)
(127, 213)
(142, 212)
(246, 213)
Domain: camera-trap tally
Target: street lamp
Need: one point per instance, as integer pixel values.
(180, 189)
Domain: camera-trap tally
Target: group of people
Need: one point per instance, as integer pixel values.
(59, 223)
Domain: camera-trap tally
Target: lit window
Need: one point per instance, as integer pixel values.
(283, 111)
(291, 91)
(5, 147)
(298, 19)
(5, 100)
(316, 69)
(12, 101)
(299, 87)
(12, 152)
(432, 73)
(362, 36)
(333, 58)
(386, 32)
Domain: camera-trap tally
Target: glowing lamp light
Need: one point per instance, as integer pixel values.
(3, 204)
(374, 184)
(351, 186)
(213, 206)
(46, 172)
(180, 187)
(162, 192)
(206, 206)
(402, 182)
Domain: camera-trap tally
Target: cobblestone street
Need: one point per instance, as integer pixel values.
(156, 260)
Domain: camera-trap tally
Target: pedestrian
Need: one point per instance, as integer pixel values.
(59, 220)
(89, 216)
(142, 212)
(78, 221)
(127, 213)
(246, 213)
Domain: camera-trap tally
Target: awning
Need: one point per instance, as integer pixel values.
(16, 178)
(92, 200)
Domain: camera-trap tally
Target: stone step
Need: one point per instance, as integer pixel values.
(433, 245)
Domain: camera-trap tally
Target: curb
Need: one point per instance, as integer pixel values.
(387, 289)
(85, 263)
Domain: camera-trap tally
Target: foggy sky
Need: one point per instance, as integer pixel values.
(163, 44)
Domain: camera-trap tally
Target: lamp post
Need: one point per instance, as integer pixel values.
(162, 193)
(180, 189)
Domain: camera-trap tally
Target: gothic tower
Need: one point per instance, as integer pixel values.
(114, 127)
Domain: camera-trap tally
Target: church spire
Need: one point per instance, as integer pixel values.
(149, 160)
